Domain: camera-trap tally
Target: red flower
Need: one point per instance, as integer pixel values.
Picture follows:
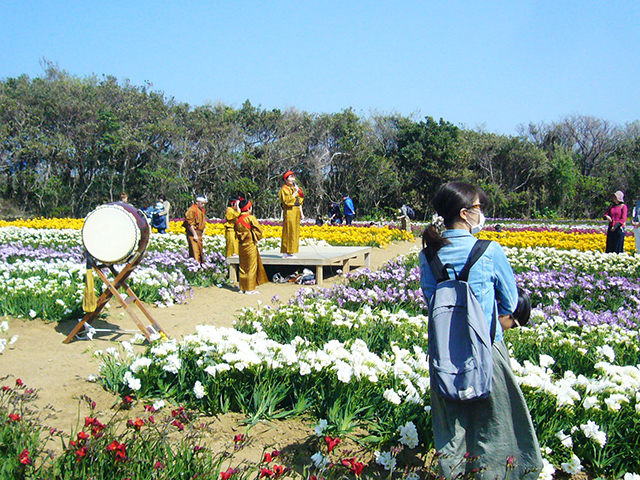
(82, 435)
(81, 453)
(152, 420)
(127, 401)
(136, 424)
(275, 453)
(267, 458)
(239, 438)
(14, 417)
(197, 448)
(227, 475)
(178, 413)
(19, 382)
(24, 457)
(119, 449)
(278, 470)
(355, 467)
(331, 443)
(266, 472)
(178, 424)
(29, 391)
(149, 408)
(158, 466)
(6, 388)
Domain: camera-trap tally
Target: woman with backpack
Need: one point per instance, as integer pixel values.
(495, 432)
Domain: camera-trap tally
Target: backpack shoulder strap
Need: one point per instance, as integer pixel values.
(476, 252)
(439, 271)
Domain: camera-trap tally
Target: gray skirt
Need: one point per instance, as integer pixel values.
(498, 430)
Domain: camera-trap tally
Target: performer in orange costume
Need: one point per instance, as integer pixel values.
(231, 215)
(194, 224)
(291, 199)
(249, 231)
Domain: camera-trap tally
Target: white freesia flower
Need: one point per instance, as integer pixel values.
(4, 326)
(590, 402)
(320, 428)
(319, 460)
(139, 363)
(13, 340)
(157, 405)
(565, 439)
(33, 313)
(132, 382)
(173, 363)
(386, 459)
(606, 351)
(198, 390)
(547, 470)
(631, 476)
(546, 361)
(409, 435)
(592, 430)
(391, 396)
(572, 467)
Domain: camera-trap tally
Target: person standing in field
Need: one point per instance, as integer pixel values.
(636, 224)
(249, 232)
(291, 199)
(484, 433)
(616, 215)
(195, 222)
(231, 215)
(166, 209)
(349, 210)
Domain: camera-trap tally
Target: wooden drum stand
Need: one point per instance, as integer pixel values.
(119, 280)
(116, 233)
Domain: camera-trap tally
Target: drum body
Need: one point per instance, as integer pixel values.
(115, 233)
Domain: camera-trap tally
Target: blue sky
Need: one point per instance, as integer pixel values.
(473, 63)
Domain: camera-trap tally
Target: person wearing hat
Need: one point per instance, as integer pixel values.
(291, 199)
(195, 222)
(616, 215)
(249, 232)
(231, 215)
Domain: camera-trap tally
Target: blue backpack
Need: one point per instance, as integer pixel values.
(460, 341)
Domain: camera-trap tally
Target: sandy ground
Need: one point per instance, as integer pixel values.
(59, 371)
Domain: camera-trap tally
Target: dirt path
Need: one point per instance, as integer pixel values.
(60, 371)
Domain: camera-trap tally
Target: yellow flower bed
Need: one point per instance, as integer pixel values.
(46, 223)
(560, 240)
(331, 234)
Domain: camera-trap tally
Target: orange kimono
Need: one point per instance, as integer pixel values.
(229, 231)
(252, 273)
(196, 218)
(291, 215)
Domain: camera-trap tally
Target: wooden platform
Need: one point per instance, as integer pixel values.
(317, 257)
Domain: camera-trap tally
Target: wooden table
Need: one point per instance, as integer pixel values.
(317, 257)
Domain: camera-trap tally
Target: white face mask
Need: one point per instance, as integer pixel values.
(479, 226)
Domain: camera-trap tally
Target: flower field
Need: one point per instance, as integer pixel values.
(352, 358)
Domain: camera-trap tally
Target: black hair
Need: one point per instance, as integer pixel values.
(243, 203)
(161, 197)
(448, 201)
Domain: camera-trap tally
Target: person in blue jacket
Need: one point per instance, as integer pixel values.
(349, 211)
(499, 427)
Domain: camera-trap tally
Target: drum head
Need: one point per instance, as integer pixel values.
(111, 234)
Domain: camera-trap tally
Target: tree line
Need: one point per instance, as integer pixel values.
(69, 144)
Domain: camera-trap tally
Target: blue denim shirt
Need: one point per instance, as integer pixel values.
(491, 278)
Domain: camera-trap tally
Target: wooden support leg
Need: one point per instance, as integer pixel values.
(319, 273)
(367, 259)
(233, 272)
(346, 265)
